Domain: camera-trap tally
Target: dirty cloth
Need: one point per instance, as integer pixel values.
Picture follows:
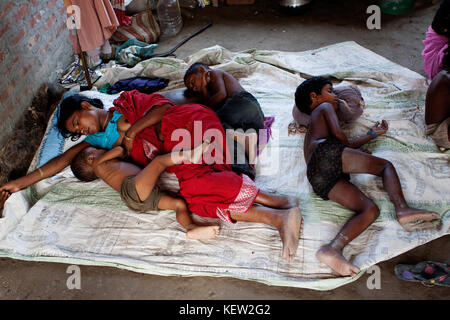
(133, 51)
(439, 133)
(62, 219)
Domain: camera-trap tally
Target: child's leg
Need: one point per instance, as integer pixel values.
(287, 222)
(249, 141)
(147, 178)
(353, 199)
(355, 161)
(276, 201)
(194, 231)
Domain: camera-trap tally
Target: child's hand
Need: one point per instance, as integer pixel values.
(127, 144)
(4, 195)
(380, 129)
(9, 188)
(203, 232)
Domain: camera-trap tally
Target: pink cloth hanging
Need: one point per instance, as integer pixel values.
(433, 53)
(95, 17)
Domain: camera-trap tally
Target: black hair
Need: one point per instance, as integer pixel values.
(193, 69)
(67, 107)
(81, 168)
(302, 94)
(441, 20)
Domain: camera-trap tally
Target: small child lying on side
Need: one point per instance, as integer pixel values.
(330, 157)
(236, 108)
(137, 187)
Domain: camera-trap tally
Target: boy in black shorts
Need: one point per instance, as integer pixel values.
(236, 108)
(331, 157)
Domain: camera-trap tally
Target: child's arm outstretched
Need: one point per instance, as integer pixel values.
(335, 129)
(51, 168)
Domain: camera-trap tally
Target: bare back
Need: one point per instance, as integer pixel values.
(221, 79)
(114, 171)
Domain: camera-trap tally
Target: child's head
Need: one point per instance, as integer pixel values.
(193, 78)
(441, 20)
(75, 118)
(82, 164)
(312, 92)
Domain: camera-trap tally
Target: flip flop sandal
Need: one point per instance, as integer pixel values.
(426, 272)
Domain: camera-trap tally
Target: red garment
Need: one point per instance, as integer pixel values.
(134, 105)
(209, 190)
(123, 19)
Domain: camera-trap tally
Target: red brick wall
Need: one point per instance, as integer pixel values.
(34, 48)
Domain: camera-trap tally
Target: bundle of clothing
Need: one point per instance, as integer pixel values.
(351, 107)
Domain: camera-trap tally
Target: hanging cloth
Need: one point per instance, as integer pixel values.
(97, 18)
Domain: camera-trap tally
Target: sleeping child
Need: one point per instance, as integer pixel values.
(138, 187)
(330, 157)
(235, 107)
(138, 190)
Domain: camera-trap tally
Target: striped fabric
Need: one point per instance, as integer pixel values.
(143, 27)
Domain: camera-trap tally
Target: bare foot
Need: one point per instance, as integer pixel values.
(290, 232)
(336, 261)
(415, 219)
(203, 232)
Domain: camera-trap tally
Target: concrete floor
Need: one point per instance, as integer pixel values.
(237, 28)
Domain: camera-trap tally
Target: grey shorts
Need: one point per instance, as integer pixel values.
(130, 197)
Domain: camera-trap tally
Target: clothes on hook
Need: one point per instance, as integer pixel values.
(97, 23)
